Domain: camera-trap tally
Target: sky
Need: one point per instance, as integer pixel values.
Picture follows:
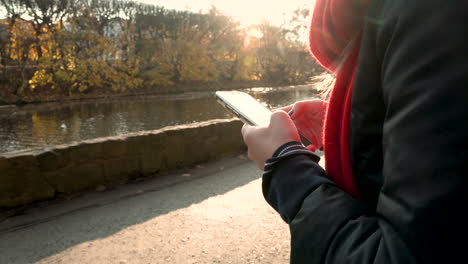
(247, 12)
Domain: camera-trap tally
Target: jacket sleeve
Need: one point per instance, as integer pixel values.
(419, 217)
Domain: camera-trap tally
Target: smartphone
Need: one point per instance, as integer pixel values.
(249, 110)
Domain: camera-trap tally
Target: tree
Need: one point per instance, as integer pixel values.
(14, 10)
(113, 46)
(47, 15)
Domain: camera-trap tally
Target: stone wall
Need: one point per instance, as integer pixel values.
(31, 176)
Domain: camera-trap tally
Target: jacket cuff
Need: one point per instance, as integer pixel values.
(287, 150)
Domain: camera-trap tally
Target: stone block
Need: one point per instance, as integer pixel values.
(197, 145)
(4, 164)
(155, 158)
(219, 139)
(86, 152)
(121, 169)
(152, 162)
(115, 148)
(139, 144)
(76, 178)
(231, 144)
(21, 182)
(54, 159)
(172, 150)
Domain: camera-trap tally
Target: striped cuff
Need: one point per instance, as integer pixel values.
(287, 150)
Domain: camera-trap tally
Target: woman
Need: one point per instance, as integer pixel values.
(395, 137)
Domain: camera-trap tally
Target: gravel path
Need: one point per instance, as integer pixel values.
(209, 214)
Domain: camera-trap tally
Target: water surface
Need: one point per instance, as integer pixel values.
(39, 126)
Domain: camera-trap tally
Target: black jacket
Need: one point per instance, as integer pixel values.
(409, 146)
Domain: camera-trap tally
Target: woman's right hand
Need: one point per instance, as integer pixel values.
(309, 116)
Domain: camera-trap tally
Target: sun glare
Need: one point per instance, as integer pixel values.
(247, 12)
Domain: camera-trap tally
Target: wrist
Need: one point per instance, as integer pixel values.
(287, 150)
(291, 145)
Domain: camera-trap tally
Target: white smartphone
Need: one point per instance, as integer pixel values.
(249, 110)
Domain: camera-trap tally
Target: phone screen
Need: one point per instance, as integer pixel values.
(249, 110)
(245, 107)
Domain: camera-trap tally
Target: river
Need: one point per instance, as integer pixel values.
(49, 124)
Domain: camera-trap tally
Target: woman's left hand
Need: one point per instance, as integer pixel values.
(262, 142)
(309, 116)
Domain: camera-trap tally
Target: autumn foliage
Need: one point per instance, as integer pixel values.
(68, 48)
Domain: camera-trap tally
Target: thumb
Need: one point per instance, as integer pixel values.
(280, 118)
(282, 124)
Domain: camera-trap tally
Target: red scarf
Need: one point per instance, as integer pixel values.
(334, 42)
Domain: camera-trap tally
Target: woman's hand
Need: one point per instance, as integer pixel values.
(309, 116)
(262, 142)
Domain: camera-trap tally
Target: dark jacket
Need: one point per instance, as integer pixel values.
(409, 147)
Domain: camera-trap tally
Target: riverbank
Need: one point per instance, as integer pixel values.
(30, 97)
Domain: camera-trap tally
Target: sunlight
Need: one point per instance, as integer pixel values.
(254, 32)
(247, 12)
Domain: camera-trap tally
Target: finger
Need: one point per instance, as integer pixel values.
(308, 107)
(313, 139)
(281, 118)
(286, 109)
(245, 128)
(249, 154)
(260, 165)
(299, 109)
(292, 111)
(246, 131)
(281, 121)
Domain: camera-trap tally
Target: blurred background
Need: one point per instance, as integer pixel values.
(142, 65)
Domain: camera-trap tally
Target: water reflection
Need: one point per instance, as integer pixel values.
(38, 126)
